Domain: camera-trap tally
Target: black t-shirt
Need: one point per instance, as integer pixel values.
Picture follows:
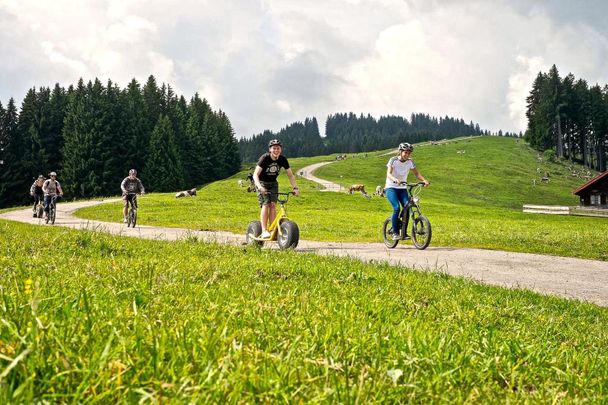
(271, 168)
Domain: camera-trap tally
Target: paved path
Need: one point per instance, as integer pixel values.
(581, 279)
(328, 185)
(585, 280)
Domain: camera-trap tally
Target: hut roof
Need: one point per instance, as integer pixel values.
(591, 182)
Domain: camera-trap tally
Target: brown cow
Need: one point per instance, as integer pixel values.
(357, 187)
(187, 193)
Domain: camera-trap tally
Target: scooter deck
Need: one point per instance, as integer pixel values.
(261, 239)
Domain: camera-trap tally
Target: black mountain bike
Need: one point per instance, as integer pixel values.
(421, 227)
(50, 216)
(132, 214)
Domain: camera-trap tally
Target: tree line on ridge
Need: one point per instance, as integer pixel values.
(351, 133)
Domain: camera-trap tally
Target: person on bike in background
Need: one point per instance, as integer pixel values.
(129, 186)
(398, 168)
(265, 179)
(37, 193)
(51, 188)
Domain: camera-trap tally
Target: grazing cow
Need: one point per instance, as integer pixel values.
(356, 187)
(240, 183)
(379, 191)
(186, 193)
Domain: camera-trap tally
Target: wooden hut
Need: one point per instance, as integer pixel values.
(594, 193)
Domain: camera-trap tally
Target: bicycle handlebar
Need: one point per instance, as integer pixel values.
(283, 201)
(404, 183)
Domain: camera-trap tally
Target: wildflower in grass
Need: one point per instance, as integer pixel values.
(117, 367)
(28, 286)
(7, 349)
(394, 374)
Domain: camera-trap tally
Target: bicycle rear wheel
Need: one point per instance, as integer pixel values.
(421, 232)
(387, 230)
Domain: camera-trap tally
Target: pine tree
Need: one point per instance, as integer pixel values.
(53, 141)
(14, 176)
(81, 164)
(163, 167)
(134, 138)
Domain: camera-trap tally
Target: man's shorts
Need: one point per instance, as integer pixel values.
(272, 190)
(125, 200)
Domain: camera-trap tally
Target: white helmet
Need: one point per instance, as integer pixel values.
(406, 146)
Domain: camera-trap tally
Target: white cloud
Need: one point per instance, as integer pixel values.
(269, 63)
(520, 83)
(56, 56)
(283, 105)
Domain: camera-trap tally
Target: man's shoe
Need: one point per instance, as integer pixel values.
(265, 235)
(35, 215)
(395, 236)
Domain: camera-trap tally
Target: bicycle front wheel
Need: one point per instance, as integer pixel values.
(421, 232)
(387, 230)
(132, 218)
(52, 213)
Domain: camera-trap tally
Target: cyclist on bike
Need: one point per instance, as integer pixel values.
(398, 168)
(51, 188)
(130, 186)
(265, 179)
(37, 193)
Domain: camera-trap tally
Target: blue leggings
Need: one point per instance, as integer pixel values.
(396, 196)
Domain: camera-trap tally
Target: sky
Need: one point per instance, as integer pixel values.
(269, 63)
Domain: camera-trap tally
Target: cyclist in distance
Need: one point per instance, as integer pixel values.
(37, 193)
(398, 168)
(51, 188)
(265, 179)
(130, 185)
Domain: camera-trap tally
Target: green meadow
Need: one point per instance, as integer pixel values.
(475, 200)
(86, 317)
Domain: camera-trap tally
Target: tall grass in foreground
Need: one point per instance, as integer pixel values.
(88, 317)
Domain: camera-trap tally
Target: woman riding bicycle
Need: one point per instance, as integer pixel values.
(398, 168)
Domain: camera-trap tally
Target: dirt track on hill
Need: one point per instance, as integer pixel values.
(580, 279)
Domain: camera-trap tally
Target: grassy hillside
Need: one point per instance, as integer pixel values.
(87, 317)
(475, 200)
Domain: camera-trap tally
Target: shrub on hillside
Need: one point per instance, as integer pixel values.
(549, 155)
